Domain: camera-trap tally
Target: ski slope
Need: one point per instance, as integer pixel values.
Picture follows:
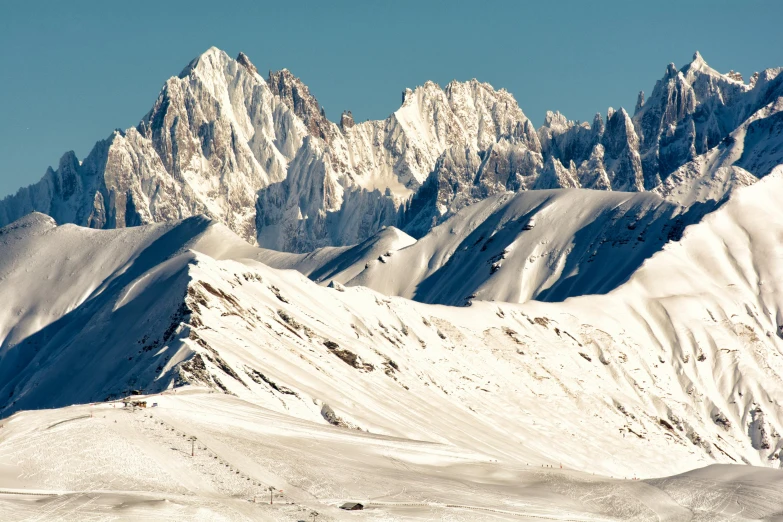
(104, 462)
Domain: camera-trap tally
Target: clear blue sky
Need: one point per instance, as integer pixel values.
(74, 71)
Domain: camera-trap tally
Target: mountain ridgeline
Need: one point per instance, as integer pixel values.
(260, 156)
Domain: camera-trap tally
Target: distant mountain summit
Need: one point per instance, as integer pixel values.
(259, 155)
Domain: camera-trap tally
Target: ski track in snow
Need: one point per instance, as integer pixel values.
(241, 449)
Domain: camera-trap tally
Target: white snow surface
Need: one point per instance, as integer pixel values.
(678, 368)
(104, 462)
(545, 244)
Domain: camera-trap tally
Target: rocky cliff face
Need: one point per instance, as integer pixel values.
(260, 155)
(296, 96)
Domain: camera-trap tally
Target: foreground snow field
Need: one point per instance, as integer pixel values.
(104, 462)
(337, 394)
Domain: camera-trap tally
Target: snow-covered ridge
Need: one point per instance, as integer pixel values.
(259, 155)
(545, 244)
(677, 368)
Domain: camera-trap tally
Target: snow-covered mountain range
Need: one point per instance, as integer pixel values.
(678, 367)
(447, 313)
(259, 155)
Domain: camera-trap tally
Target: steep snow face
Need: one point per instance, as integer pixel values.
(546, 245)
(677, 368)
(65, 326)
(331, 265)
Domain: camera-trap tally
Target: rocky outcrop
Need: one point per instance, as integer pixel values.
(621, 153)
(346, 121)
(554, 175)
(296, 95)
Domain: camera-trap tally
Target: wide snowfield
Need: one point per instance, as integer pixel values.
(105, 462)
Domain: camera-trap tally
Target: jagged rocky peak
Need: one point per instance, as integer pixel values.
(554, 175)
(69, 164)
(689, 112)
(259, 154)
(556, 120)
(568, 140)
(592, 172)
(671, 100)
(556, 123)
(734, 75)
(211, 58)
(243, 60)
(67, 177)
(598, 124)
(423, 96)
(471, 113)
(346, 121)
(639, 102)
(296, 95)
(707, 83)
(753, 79)
(621, 145)
(490, 113)
(698, 67)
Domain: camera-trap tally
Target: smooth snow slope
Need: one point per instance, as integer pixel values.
(107, 463)
(545, 244)
(678, 368)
